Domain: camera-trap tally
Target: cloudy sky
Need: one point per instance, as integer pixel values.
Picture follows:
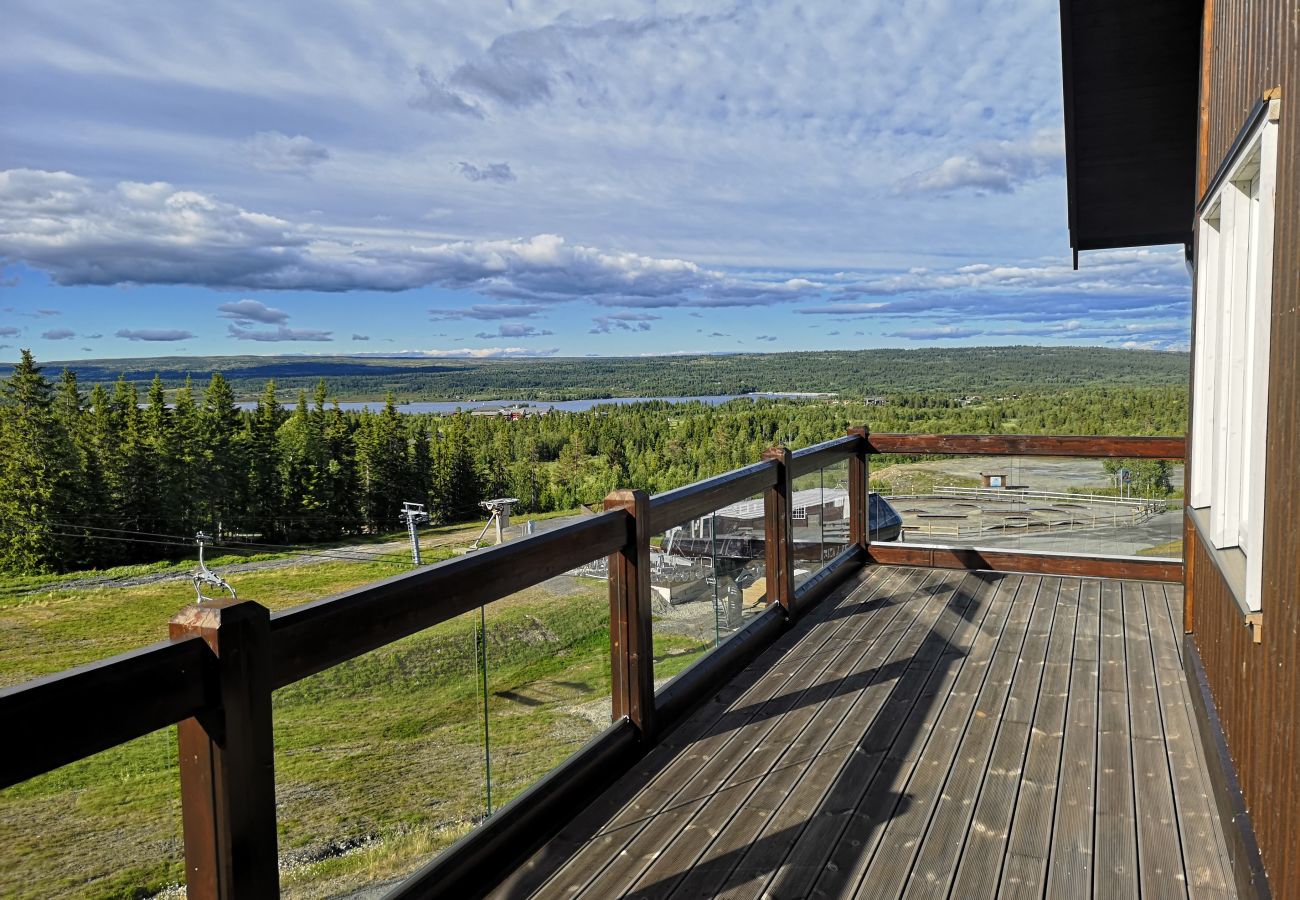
(539, 178)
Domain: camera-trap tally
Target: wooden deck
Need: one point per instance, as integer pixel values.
(923, 733)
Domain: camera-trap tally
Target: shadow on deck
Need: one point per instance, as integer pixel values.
(923, 733)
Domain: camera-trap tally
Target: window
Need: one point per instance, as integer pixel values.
(1234, 271)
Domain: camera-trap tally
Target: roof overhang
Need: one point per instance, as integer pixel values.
(1131, 83)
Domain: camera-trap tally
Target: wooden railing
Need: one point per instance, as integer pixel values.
(214, 677)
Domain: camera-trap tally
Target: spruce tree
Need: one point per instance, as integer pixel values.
(456, 487)
(187, 449)
(37, 470)
(160, 442)
(382, 464)
(222, 455)
(264, 505)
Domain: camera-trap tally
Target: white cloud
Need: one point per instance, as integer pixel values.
(624, 321)
(272, 151)
(467, 353)
(59, 334)
(282, 333)
(487, 312)
(498, 172)
(934, 334)
(246, 312)
(135, 233)
(670, 124)
(513, 330)
(154, 334)
(1000, 167)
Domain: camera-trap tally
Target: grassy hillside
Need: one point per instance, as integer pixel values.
(380, 761)
(853, 373)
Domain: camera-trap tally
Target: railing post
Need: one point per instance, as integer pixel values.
(778, 539)
(227, 759)
(631, 639)
(859, 492)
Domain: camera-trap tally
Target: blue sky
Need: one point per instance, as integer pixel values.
(535, 179)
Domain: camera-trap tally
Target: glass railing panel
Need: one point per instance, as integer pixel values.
(108, 825)
(820, 513)
(1087, 507)
(544, 677)
(380, 762)
(706, 581)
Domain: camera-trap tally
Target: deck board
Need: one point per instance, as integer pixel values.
(923, 733)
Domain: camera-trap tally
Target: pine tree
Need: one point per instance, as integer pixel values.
(86, 499)
(382, 467)
(133, 482)
(456, 488)
(340, 492)
(37, 471)
(160, 442)
(187, 449)
(222, 455)
(265, 491)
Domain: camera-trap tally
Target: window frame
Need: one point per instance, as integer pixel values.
(1234, 288)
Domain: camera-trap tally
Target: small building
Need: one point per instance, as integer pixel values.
(810, 508)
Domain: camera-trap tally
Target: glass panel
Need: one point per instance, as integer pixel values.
(820, 509)
(547, 678)
(105, 826)
(380, 762)
(1090, 507)
(707, 580)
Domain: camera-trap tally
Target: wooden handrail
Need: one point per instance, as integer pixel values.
(827, 453)
(1036, 562)
(1029, 445)
(62, 718)
(703, 497)
(315, 636)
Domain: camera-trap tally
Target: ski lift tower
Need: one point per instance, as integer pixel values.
(498, 514)
(413, 514)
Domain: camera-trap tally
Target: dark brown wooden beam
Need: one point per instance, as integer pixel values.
(778, 523)
(315, 636)
(937, 557)
(1190, 537)
(227, 758)
(1029, 445)
(631, 638)
(694, 500)
(859, 490)
(62, 718)
(827, 453)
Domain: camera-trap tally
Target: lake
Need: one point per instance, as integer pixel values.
(443, 407)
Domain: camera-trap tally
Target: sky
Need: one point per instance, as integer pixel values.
(538, 179)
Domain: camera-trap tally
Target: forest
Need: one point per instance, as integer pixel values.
(955, 371)
(128, 472)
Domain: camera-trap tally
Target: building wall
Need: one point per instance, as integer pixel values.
(1254, 45)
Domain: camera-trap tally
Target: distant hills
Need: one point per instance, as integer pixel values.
(955, 371)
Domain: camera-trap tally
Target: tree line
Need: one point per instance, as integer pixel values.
(111, 476)
(850, 373)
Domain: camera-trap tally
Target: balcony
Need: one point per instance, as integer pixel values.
(870, 719)
(923, 733)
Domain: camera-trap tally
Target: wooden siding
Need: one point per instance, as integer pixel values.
(1255, 47)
